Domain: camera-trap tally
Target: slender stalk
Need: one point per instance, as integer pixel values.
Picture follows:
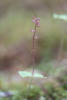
(33, 53)
(33, 56)
(34, 49)
(36, 21)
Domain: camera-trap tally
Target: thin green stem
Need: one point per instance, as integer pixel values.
(34, 48)
(33, 55)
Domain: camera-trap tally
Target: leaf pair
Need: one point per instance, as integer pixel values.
(29, 74)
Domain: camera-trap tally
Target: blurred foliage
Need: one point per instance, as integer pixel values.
(53, 89)
(16, 25)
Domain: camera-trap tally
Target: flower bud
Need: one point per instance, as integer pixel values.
(33, 31)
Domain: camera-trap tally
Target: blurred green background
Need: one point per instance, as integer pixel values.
(16, 47)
